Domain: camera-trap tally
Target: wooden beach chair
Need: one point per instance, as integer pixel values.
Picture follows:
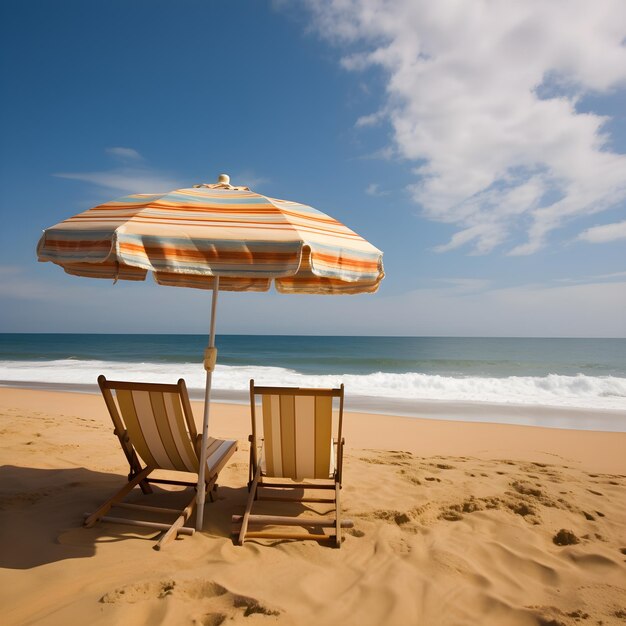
(298, 451)
(154, 424)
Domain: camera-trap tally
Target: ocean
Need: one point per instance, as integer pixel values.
(570, 383)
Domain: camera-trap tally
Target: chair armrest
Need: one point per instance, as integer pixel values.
(252, 466)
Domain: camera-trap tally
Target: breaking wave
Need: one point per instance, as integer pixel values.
(581, 390)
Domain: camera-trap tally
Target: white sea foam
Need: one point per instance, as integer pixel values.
(601, 392)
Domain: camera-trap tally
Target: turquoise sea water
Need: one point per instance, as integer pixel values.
(446, 356)
(399, 374)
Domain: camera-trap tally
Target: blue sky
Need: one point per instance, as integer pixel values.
(480, 146)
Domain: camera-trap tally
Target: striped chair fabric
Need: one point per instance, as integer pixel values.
(298, 436)
(157, 428)
(160, 433)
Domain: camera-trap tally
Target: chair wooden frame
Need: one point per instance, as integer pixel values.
(140, 475)
(275, 491)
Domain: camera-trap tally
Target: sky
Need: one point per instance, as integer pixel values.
(481, 145)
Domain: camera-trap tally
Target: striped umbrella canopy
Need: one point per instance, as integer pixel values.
(218, 237)
(188, 236)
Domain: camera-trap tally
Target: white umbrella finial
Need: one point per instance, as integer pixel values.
(223, 179)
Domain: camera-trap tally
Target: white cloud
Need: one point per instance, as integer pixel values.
(127, 178)
(373, 189)
(602, 234)
(482, 97)
(125, 154)
(248, 178)
(370, 120)
(613, 276)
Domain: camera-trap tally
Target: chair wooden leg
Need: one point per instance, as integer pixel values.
(127, 488)
(145, 487)
(135, 467)
(185, 515)
(210, 486)
(143, 524)
(251, 498)
(337, 516)
(174, 529)
(250, 463)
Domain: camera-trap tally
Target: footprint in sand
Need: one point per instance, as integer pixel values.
(521, 508)
(389, 516)
(397, 517)
(526, 489)
(412, 478)
(454, 512)
(220, 603)
(578, 615)
(140, 591)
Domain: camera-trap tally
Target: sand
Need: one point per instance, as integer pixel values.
(454, 524)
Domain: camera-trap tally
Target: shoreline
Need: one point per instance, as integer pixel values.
(542, 416)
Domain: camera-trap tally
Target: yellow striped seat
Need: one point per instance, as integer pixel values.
(156, 426)
(298, 436)
(301, 444)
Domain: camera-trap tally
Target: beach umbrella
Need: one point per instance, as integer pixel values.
(218, 237)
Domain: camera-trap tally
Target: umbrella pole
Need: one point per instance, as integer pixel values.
(209, 364)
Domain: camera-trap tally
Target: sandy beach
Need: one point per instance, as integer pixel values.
(454, 523)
